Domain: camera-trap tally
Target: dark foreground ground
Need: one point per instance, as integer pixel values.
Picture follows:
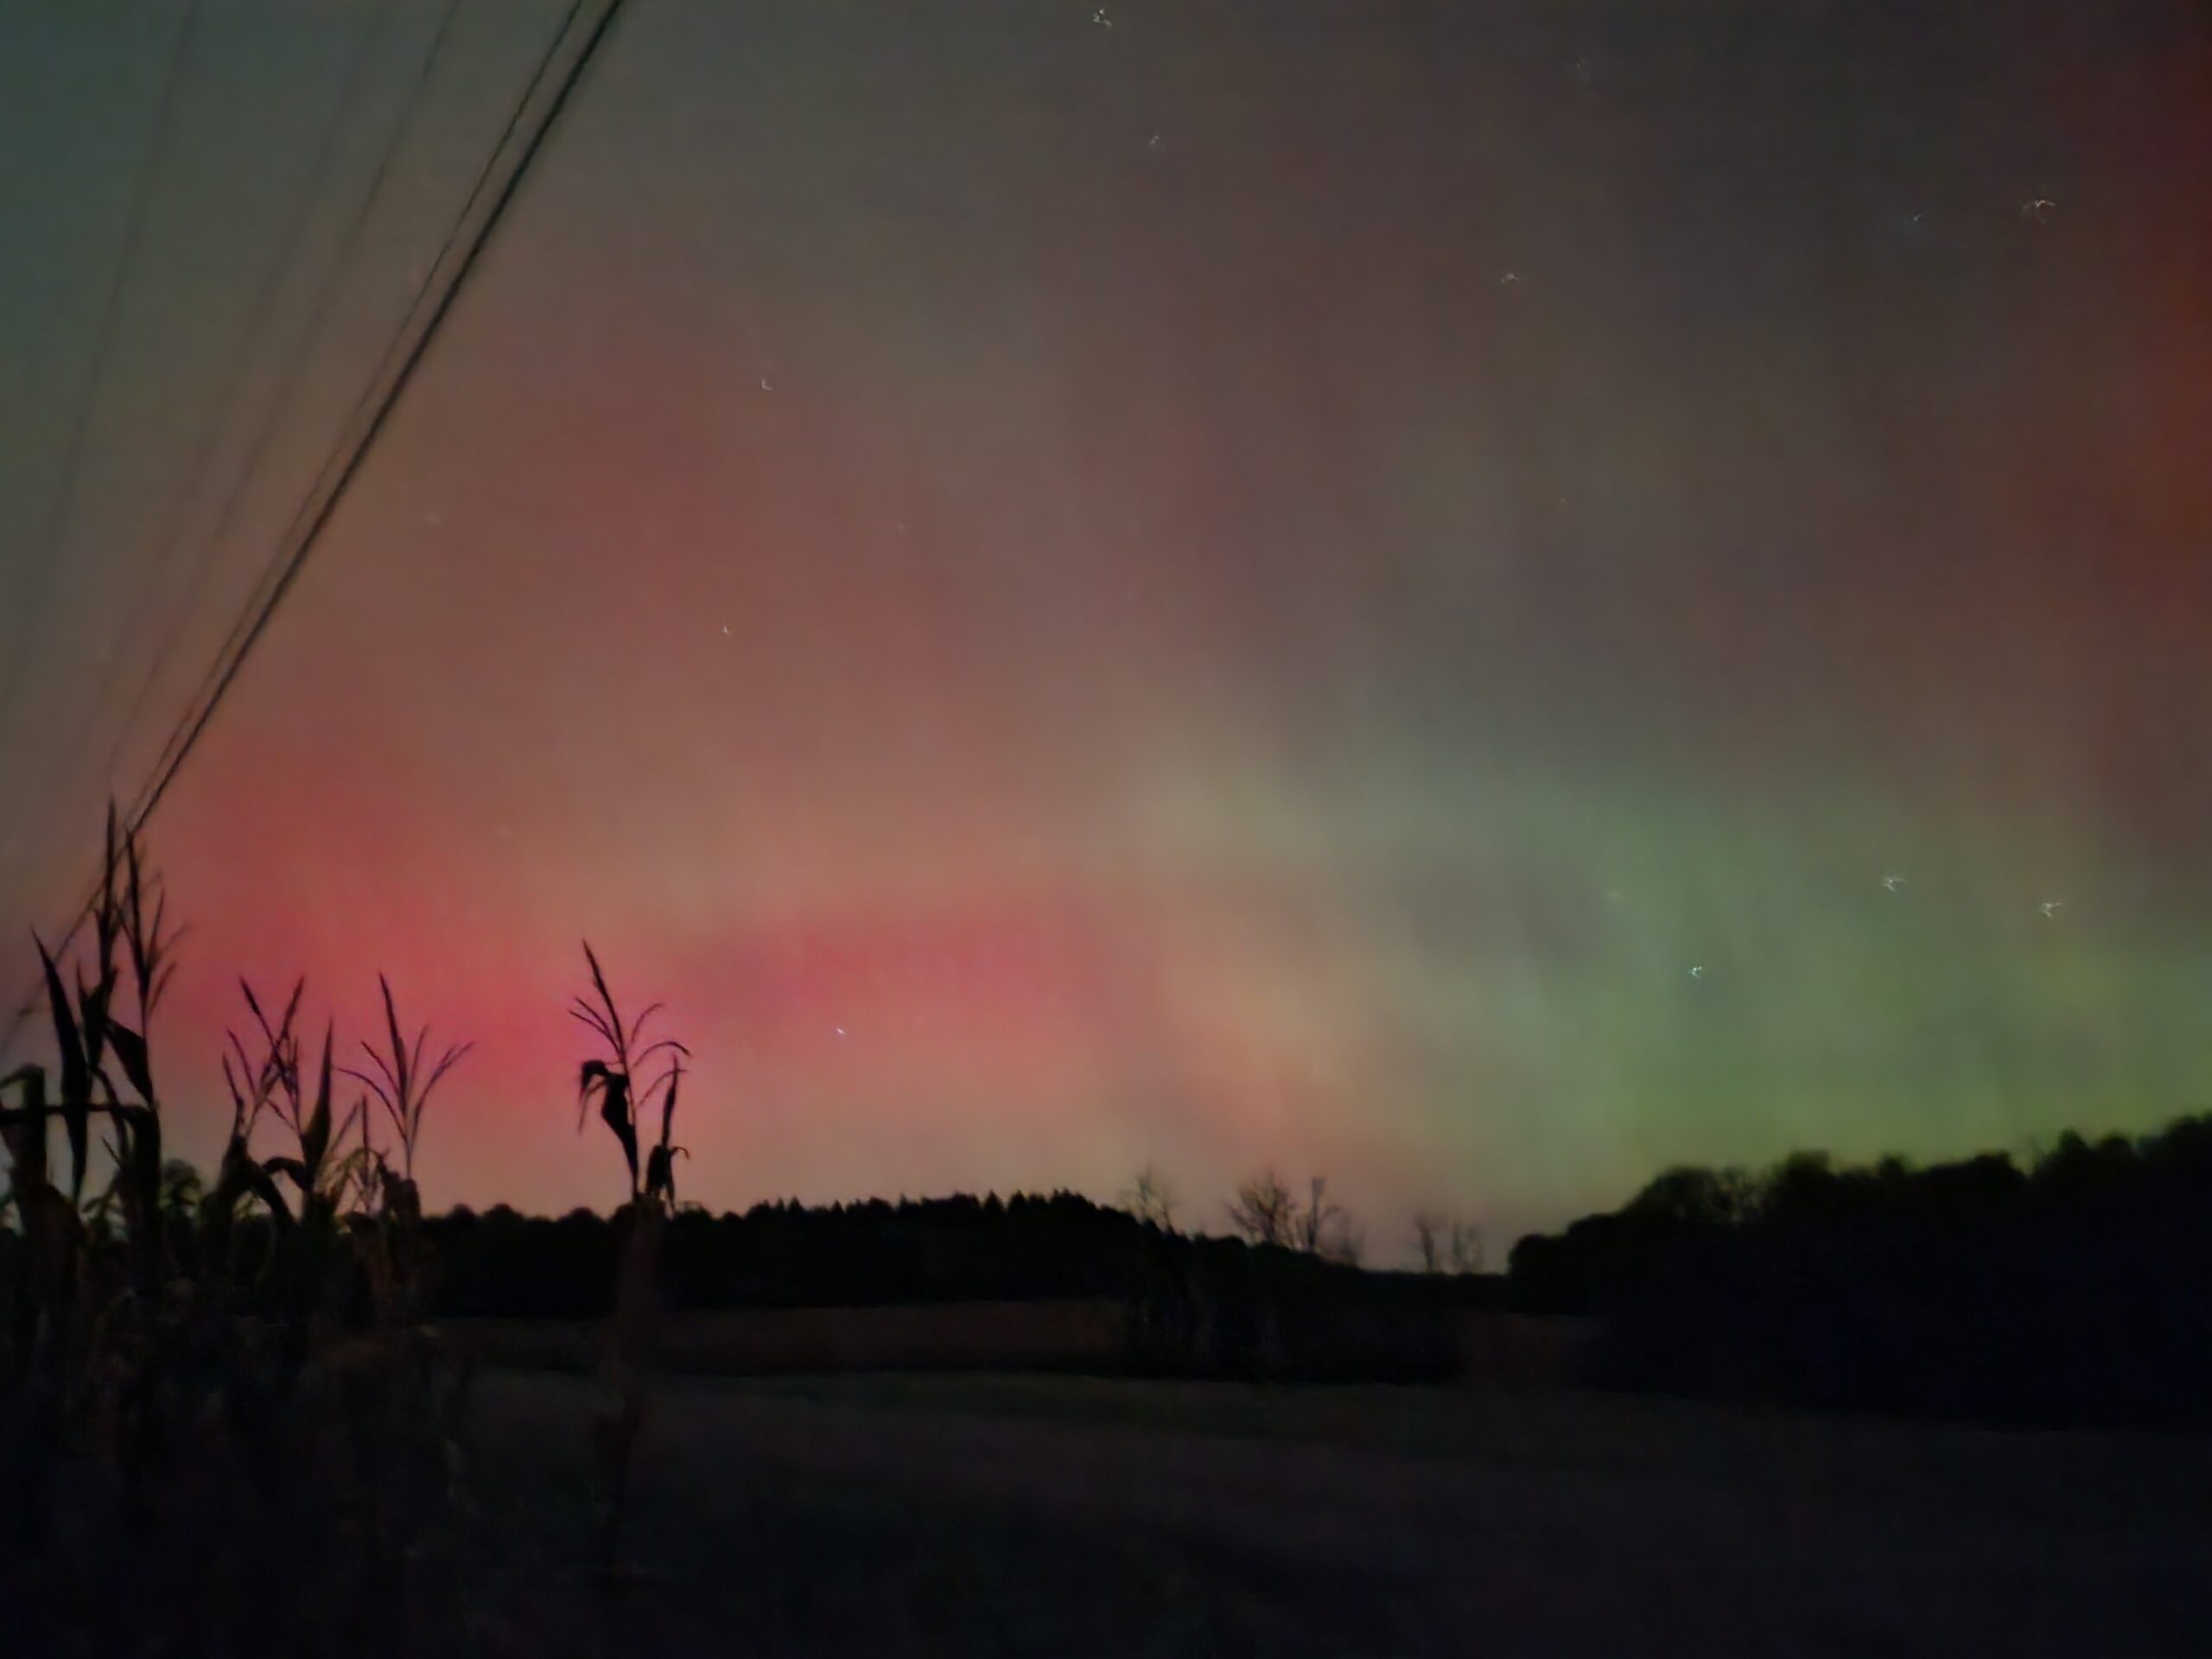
(948, 1515)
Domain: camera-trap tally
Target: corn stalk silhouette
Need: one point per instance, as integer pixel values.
(129, 915)
(402, 1085)
(612, 1078)
(182, 1326)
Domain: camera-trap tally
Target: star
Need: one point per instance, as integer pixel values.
(1509, 279)
(2050, 907)
(1892, 882)
(840, 1030)
(725, 630)
(764, 387)
(1698, 972)
(2036, 208)
(1100, 18)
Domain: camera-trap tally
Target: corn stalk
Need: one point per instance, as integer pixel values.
(625, 1371)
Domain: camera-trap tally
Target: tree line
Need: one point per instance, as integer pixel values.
(2067, 1287)
(784, 1254)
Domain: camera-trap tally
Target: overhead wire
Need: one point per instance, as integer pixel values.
(69, 479)
(303, 341)
(260, 306)
(272, 573)
(330, 490)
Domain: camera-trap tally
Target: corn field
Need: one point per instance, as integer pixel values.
(225, 1425)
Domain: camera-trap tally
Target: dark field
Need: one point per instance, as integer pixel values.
(1090, 1335)
(893, 1515)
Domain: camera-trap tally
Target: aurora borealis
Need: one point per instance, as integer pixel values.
(1262, 582)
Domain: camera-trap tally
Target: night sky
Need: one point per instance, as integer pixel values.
(1478, 597)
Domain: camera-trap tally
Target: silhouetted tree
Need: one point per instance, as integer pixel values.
(1150, 1198)
(1428, 1240)
(2065, 1291)
(1318, 1217)
(1446, 1245)
(1264, 1212)
(1322, 1229)
(1466, 1249)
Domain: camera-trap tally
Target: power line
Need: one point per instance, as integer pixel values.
(292, 556)
(68, 484)
(259, 307)
(274, 574)
(303, 341)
